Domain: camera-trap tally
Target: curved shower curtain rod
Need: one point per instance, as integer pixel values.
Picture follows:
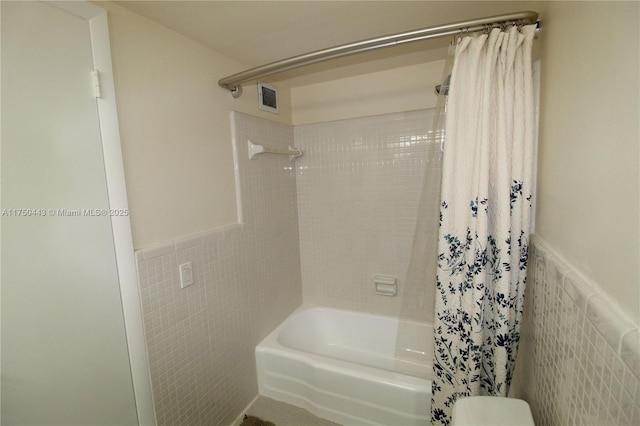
(233, 82)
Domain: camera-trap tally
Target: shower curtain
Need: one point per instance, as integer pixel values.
(484, 217)
(413, 353)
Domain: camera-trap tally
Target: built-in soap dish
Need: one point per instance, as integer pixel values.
(385, 285)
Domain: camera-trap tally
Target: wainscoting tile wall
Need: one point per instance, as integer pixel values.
(581, 356)
(201, 339)
(358, 190)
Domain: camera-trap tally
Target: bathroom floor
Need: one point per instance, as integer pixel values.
(282, 414)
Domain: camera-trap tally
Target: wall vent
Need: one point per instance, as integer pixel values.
(268, 98)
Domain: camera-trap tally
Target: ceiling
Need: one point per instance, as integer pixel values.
(258, 32)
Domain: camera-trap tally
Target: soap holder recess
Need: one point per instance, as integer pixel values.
(385, 285)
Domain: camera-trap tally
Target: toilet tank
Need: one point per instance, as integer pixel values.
(491, 411)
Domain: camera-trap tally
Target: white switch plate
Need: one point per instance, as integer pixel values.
(186, 274)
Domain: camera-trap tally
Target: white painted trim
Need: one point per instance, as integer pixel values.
(536, 97)
(236, 165)
(117, 193)
(0, 220)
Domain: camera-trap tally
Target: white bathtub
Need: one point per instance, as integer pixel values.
(341, 365)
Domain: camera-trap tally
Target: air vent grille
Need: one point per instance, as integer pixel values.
(268, 98)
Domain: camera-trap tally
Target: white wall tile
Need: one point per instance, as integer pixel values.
(358, 187)
(585, 357)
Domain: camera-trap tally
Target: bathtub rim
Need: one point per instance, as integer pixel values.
(271, 344)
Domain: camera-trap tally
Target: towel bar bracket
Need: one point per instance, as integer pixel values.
(255, 149)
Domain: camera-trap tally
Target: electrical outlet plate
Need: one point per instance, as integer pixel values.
(186, 274)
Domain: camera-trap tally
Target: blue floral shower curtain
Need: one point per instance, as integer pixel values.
(484, 217)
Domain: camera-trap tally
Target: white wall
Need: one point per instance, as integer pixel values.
(588, 169)
(401, 89)
(175, 130)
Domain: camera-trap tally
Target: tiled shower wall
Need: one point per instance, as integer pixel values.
(358, 190)
(580, 357)
(201, 339)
